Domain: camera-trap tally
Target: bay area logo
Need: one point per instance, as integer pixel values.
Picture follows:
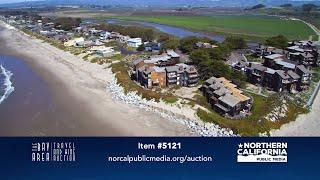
(262, 152)
(53, 152)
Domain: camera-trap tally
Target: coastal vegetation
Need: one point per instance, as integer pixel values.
(252, 26)
(67, 23)
(279, 41)
(255, 124)
(211, 61)
(146, 34)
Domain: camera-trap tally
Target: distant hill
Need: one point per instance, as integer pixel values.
(168, 3)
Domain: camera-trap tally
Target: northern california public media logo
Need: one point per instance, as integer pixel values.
(53, 152)
(275, 152)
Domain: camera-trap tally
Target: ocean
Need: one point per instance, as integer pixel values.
(24, 97)
(32, 106)
(6, 86)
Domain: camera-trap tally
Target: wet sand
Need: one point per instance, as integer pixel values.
(69, 98)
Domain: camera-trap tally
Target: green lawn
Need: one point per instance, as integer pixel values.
(250, 26)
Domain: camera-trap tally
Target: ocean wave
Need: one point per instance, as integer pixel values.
(6, 83)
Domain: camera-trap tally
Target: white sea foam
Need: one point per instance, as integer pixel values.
(7, 83)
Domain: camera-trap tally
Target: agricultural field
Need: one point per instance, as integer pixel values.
(79, 13)
(245, 25)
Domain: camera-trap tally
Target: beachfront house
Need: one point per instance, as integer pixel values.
(175, 74)
(225, 98)
(270, 60)
(150, 77)
(106, 52)
(286, 81)
(154, 47)
(78, 42)
(306, 76)
(134, 42)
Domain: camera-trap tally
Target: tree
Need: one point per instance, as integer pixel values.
(236, 42)
(279, 41)
(288, 5)
(216, 53)
(258, 6)
(188, 44)
(171, 43)
(67, 23)
(238, 78)
(220, 69)
(148, 35)
(199, 55)
(141, 47)
(308, 7)
(163, 37)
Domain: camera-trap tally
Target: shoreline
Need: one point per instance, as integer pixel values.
(145, 118)
(79, 86)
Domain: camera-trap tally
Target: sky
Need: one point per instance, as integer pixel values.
(12, 1)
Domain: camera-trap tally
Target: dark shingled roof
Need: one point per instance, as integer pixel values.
(304, 69)
(293, 75)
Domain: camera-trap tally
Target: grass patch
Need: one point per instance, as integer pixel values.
(170, 99)
(254, 124)
(117, 57)
(246, 25)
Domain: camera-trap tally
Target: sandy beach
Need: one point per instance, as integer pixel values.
(84, 108)
(304, 125)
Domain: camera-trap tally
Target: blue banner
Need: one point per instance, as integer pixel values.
(160, 158)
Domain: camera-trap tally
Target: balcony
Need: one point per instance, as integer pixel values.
(193, 76)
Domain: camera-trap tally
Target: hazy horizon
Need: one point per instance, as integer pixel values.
(112, 1)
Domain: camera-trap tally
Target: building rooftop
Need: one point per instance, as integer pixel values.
(274, 56)
(230, 100)
(172, 53)
(172, 68)
(295, 48)
(293, 75)
(259, 67)
(307, 55)
(283, 74)
(270, 71)
(216, 86)
(222, 91)
(304, 69)
(134, 40)
(159, 69)
(162, 57)
(285, 64)
(137, 61)
(211, 80)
